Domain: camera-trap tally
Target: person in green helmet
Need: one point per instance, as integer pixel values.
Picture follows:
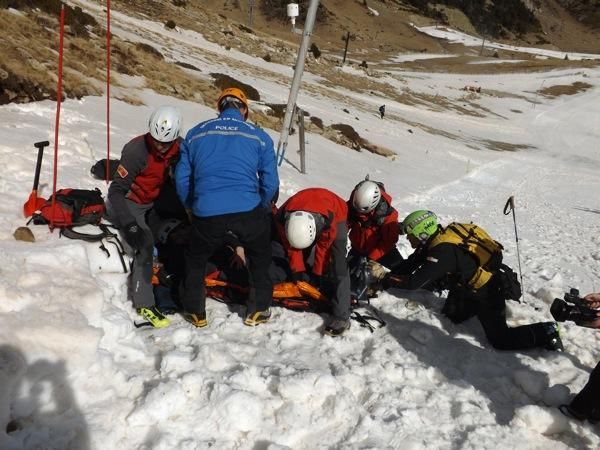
(466, 261)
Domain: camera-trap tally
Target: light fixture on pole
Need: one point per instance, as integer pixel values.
(292, 13)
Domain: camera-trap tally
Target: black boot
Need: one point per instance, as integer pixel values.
(551, 335)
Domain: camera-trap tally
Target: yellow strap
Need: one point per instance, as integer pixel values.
(480, 278)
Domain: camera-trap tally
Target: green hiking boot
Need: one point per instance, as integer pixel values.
(198, 320)
(153, 316)
(258, 317)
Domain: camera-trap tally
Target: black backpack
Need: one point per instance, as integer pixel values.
(98, 170)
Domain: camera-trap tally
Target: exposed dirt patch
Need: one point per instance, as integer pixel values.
(340, 133)
(433, 131)
(348, 136)
(504, 146)
(223, 81)
(278, 109)
(565, 89)
(467, 64)
(149, 49)
(317, 122)
(28, 69)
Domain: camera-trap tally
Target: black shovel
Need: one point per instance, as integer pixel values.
(34, 202)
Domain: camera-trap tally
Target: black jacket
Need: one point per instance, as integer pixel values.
(446, 266)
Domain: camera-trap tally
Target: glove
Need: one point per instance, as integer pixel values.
(376, 270)
(134, 235)
(301, 276)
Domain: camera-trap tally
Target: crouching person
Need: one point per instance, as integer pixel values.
(465, 260)
(142, 170)
(373, 224)
(374, 232)
(312, 226)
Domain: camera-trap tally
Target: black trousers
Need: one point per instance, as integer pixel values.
(588, 400)
(253, 229)
(491, 312)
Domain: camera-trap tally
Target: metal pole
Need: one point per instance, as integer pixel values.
(107, 91)
(508, 207)
(301, 139)
(289, 111)
(250, 11)
(346, 47)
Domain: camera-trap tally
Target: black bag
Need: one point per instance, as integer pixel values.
(98, 170)
(510, 288)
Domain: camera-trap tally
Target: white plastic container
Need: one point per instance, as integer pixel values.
(292, 10)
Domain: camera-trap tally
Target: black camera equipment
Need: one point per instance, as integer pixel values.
(572, 308)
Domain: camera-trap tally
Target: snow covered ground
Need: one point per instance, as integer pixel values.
(76, 374)
(454, 36)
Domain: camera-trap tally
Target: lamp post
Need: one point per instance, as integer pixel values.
(299, 69)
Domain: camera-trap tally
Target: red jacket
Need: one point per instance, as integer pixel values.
(374, 234)
(320, 201)
(141, 174)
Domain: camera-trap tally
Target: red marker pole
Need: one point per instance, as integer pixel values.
(58, 103)
(107, 91)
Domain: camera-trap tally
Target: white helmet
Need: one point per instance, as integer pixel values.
(165, 123)
(300, 229)
(366, 196)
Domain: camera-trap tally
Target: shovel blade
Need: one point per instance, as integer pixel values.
(32, 204)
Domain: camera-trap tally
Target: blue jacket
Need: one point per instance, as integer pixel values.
(226, 166)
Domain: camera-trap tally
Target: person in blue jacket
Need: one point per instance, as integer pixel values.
(227, 177)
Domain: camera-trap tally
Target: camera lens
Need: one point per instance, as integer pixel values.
(560, 310)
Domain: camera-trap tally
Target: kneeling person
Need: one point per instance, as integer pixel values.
(142, 171)
(443, 261)
(312, 224)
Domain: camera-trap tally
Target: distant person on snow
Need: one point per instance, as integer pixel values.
(442, 260)
(382, 111)
(374, 228)
(227, 177)
(312, 229)
(586, 404)
(142, 171)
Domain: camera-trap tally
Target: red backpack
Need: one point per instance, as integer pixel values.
(73, 207)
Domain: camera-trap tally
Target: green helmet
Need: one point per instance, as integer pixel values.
(420, 224)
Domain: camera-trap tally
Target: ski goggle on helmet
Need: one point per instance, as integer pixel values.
(232, 97)
(421, 224)
(366, 196)
(165, 124)
(300, 229)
